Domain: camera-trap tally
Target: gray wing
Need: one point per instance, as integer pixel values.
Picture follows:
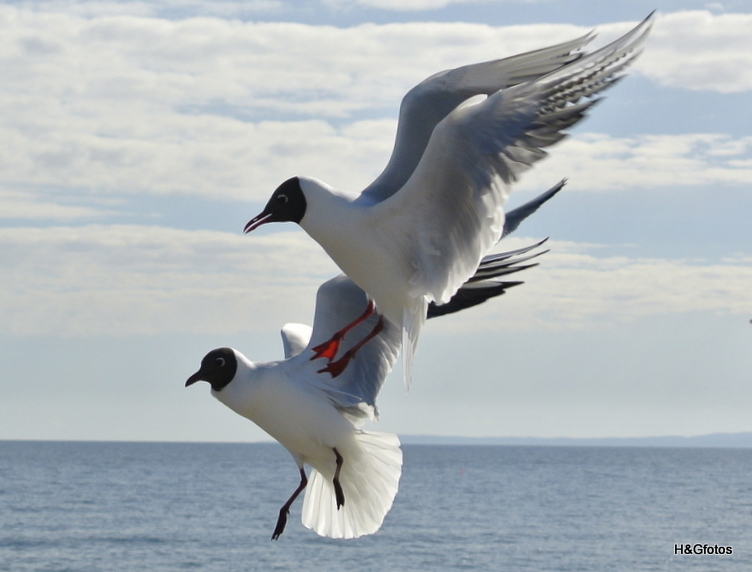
(295, 338)
(339, 302)
(485, 283)
(514, 218)
(425, 105)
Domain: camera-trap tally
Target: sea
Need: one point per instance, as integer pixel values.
(111, 506)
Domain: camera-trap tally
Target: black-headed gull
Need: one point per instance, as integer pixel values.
(421, 228)
(355, 474)
(316, 416)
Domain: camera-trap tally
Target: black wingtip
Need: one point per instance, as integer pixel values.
(484, 284)
(468, 297)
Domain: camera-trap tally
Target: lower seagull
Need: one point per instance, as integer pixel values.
(316, 413)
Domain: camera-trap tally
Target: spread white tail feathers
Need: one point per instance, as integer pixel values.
(369, 477)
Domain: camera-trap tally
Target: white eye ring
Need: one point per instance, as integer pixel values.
(220, 361)
(282, 199)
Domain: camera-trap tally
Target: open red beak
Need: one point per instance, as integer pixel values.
(256, 222)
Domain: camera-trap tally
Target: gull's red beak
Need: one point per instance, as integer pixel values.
(257, 221)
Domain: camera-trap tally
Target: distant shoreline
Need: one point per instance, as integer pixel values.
(720, 440)
(714, 440)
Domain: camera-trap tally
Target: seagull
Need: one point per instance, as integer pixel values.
(419, 231)
(317, 416)
(355, 473)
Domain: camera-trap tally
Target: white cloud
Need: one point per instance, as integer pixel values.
(214, 157)
(124, 280)
(122, 104)
(135, 61)
(402, 5)
(155, 8)
(16, 205)
(598, 162)
(224, 157)
(701, 51)
(574, 289)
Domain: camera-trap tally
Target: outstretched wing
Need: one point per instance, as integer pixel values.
(340, 301)
(425, 105)
(456, 192)
(514, 218)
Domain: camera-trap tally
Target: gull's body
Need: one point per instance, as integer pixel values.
(419, 231)
(268, 393)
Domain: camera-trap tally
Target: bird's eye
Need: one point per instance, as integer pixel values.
(282, 199)
(220, 362)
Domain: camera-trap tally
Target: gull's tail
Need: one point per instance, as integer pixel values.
(369, 477)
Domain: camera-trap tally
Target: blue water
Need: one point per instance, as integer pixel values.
(158, 507)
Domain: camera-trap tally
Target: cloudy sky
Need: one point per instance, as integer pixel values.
(137, 138)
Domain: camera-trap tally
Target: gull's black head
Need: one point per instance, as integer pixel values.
(288, 204)
(218, 368)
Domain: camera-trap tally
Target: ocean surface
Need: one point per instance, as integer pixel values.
(91, 506)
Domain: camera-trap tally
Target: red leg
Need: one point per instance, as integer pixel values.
(337, 367)
(330, 348)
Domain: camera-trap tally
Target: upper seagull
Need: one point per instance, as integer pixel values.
(419, 231)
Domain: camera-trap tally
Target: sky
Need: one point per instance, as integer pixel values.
(138, 137)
